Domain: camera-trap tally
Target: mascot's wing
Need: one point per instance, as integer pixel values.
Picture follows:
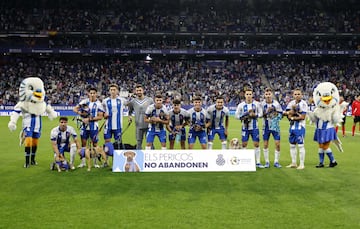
(311, 116)
(338, 145)
(51, 112)
(14, 117)
(344, 105)
(337, 116)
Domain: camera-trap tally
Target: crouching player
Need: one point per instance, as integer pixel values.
(61, 142)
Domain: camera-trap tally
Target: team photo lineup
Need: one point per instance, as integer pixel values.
(163, 118)
(180, 114)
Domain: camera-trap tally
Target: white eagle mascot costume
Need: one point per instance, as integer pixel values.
(31, 106)
(326, 116)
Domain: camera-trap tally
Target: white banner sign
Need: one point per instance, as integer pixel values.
(183, 160)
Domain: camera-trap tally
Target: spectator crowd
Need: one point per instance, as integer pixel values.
(66, 81)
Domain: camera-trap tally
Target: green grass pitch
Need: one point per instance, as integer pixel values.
(269, 198)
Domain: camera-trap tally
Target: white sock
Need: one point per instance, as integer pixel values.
(266, 154)
(72, 153)
(223, 145)
(293, 153)
(302, 154)
(147, 147)
(210, 145)
(163, 148)
(257, 155)
(277, 156)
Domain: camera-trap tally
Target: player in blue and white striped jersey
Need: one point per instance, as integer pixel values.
(179, 118)
(114, 109)
(64, 139)
(272, 114)
(248, 112)
(157, 116)
(91, 111)
(197, 122)
(217, 115)
(296, 112)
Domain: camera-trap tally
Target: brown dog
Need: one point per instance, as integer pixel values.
(131, 165)
(234, 143)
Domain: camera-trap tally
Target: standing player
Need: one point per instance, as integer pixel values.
(272, 114)
(61, 142)
(248, 112)
(216, 114)
(91, 111)
(114, 108)
(157, 116)
(197, 124)
(296, 112)
(179, 118)
(355, 110)
(139, 106)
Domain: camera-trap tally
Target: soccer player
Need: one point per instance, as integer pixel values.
(296, 112)
(139, 106)
(179, 118)
(91, 111)
(114, 109)
(355, 112)
(64, 139)
(248, 112)
(197, 122)
(217, 114)
(272, 114)
(157, 116)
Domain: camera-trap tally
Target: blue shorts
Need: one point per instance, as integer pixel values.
(255, 135)
(297, 136)
(150, 136)
(109, 133)
(93, 134)
(268, 133)
(183, 135)
(31, 134)
(64, 149)
(220, 132)
(323, 136)
(200, 134)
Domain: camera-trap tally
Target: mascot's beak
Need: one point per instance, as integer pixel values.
(37, 94)
(326, 99)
